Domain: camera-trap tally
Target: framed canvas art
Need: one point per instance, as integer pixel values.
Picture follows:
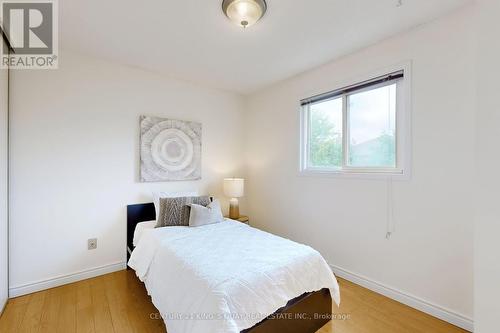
(170, 150)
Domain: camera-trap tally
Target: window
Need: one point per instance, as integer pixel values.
(360, 129)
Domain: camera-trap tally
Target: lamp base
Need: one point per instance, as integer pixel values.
(234, 209)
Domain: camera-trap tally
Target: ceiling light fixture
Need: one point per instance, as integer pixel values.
(244, 12)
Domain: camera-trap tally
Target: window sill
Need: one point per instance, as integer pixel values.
(361, 175)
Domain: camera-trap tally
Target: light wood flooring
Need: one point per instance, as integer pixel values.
(118, 302)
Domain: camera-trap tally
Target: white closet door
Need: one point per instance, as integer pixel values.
(4, 259)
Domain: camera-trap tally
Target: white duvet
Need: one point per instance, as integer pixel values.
(225, 277)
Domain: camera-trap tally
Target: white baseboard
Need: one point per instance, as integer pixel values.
(410, 300)
(65, 279)
(2, 307)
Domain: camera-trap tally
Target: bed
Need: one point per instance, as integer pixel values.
(229, 277)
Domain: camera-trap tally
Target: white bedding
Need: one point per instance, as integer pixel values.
(225, 277)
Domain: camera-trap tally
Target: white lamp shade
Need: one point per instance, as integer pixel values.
(234, 187)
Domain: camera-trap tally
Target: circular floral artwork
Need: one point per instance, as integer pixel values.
(170, 149)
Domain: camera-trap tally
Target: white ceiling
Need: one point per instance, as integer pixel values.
(194, 41)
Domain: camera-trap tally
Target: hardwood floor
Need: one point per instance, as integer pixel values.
(118, 302)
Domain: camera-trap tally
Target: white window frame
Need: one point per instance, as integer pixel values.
(403, 133)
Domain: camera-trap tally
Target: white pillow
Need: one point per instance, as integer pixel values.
(139, 230)
(158, 195)
(201, 215)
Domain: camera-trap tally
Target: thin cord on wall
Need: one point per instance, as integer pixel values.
(9, 116)
(390, 209)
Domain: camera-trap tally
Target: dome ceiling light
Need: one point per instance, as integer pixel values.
(244, 12)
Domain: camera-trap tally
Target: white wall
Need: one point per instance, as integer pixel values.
(4, 259)
(430, 255)
(75, 159)
(487, 231)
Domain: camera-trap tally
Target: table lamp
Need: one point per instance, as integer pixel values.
(234, 189)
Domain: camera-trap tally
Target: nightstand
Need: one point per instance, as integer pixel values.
(242, 219)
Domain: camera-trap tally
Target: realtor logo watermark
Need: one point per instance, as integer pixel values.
(32, 30)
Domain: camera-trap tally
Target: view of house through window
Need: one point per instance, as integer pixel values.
(372, 128)
(353, 129)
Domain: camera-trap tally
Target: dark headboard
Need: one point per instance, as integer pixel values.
(135, 214)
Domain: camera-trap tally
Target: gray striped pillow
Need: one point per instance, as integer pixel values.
(175, 211)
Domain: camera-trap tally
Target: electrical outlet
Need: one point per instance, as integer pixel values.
(92, 243)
